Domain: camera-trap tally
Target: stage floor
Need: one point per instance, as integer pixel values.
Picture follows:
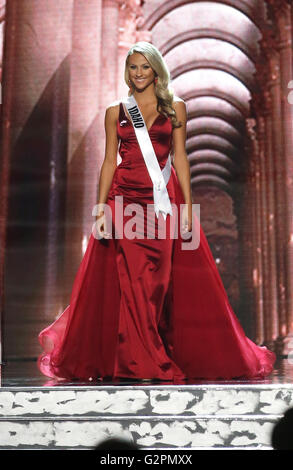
(37, 412)
(26, 374)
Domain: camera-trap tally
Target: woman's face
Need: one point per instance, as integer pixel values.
(140, 72)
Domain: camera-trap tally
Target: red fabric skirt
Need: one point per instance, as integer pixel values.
(147, 308)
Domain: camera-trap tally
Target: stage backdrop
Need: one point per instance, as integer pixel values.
(62, 64)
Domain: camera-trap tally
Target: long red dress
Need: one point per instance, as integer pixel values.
(146, 308)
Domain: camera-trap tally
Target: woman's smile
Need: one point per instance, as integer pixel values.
(140, 71)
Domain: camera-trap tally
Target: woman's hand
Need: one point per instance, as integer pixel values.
(187, 218)
(101, 225)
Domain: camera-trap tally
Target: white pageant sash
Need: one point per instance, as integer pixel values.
(159, 177)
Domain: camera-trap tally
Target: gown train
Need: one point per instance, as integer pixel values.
(147, 308)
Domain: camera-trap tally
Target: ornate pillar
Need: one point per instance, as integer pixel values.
(108, 78)
(251, 294)
(257, 267)
(258, 272)
(33, 164)
(131, 18)
(83, 134)
(268, 44)
(264, 233)
(282, 13)
(109, 54)
(272, 316)
(127, 37)
(4, 173)
(262, 106)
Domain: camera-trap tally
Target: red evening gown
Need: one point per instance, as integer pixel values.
(146, 308)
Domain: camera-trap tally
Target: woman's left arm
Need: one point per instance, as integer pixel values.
(181, 163)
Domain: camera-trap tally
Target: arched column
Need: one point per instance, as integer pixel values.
(262, 215)
(283, 15)
(257, 266)
(271, 317)
(281, 12)
(262, 107)
(273, 84)
(250, 287)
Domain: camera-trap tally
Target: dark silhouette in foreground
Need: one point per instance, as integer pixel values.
(282, 434)
(116, 443)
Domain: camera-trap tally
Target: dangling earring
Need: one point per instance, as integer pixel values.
(156, 80)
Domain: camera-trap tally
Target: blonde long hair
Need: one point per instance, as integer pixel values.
(163, 91)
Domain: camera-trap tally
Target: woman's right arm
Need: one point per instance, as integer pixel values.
(110, 161)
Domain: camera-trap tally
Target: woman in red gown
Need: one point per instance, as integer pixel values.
(145, 308)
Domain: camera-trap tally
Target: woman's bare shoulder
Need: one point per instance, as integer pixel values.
(177, 98)
(178, 101)
(113, 107)
(179, 106)
(114, 104)
(112, 110)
